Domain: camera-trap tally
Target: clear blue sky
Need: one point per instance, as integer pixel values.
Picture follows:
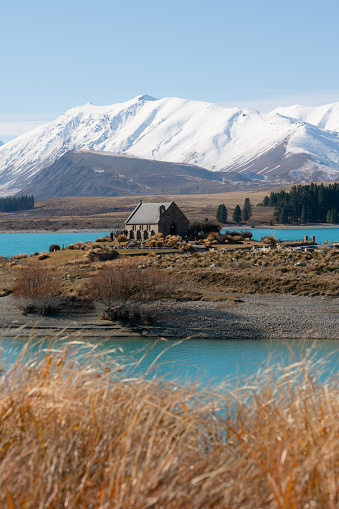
(256, 53)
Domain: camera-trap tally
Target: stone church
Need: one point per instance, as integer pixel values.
(147, 219)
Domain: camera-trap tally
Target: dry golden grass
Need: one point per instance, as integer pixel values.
(271, 272)
(76, 431)
(106, 213)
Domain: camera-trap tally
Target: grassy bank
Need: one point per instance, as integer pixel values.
(89, 434)
(260, 272)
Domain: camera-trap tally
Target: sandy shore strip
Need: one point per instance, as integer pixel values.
(254, 317)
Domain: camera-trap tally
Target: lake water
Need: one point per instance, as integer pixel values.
(212, 361)
(321, 234)
(27, 243)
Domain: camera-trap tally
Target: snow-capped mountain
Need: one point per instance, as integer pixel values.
(325, 117)
(1, 143)
(272, 148)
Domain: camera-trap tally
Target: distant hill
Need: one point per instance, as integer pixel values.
(88, 173)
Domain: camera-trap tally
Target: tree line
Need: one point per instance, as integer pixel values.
(239, 215)
(12, 203)
(311, 203)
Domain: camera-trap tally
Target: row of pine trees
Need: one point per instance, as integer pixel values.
(12, 203)
(239, 215)
(311, 203)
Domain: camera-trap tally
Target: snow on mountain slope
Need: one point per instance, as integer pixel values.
(325, 117)
(171, 129)
(1, 143)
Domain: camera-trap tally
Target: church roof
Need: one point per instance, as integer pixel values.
(146, 213)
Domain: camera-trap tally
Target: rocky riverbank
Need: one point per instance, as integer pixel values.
(250, 317)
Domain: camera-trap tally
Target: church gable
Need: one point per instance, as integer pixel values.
(147, 219)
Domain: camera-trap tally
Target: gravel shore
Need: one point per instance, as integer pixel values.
(254, 317)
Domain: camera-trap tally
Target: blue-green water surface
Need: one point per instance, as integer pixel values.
(12, 244)
(211, 361)
(322, 235)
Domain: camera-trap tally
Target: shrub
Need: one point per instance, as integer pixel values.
(54, 247)
(214, 236)
(121, 238)
(19, 256)
(116, 284)
(42, 256)
(101, 254)
(79, 245)
(37, 289)
(206, 227)
(269, 240)
(103, 239)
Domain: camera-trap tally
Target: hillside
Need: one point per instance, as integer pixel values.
(86, 173)
(270, 148)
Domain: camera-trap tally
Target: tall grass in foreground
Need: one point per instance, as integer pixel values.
(77, 432)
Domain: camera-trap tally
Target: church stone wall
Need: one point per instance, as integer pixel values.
(170, 222)
(173, 221)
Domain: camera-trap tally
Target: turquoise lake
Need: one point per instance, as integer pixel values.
(210, 361)
(27, 243)
(321, 234)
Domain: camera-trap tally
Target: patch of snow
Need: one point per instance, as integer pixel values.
(174, 129)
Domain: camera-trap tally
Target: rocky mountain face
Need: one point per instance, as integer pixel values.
(287, 145)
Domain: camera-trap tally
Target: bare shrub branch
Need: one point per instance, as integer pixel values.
(117, 283)
(37, 289)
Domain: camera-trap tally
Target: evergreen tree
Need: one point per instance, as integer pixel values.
(247, 210)
(310, 202)
(218, 214)
(303, 218)
(293, 205)
(283, 218)
(237, 214)
(221, 214)
(12, 203)
(321, 204)
(224, 213)
(265, 201)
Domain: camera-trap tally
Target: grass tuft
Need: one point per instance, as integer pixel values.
(77, 431)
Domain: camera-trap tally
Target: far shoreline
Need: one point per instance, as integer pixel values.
(316, 226)
(71, 230)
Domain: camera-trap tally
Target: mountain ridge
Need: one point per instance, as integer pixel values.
(184, 131)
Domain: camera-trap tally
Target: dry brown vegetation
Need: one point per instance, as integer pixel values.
(37, 289)
(271, 272)
(123, 285)
(105, 213)
(94, 434)
(241, 270)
